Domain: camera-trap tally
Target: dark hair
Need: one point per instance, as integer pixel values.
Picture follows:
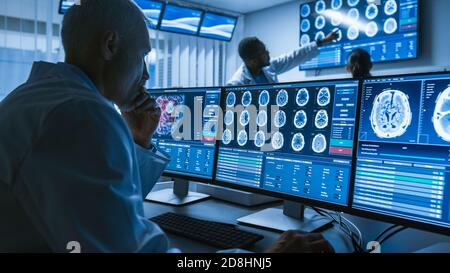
(360, 63)
(248, 48)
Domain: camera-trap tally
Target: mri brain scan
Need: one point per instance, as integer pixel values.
(261, 119)
(320, 22)
(352, 3)
(353, 14)
(391, 114)
(246, 98)
(305, 39)
(336, 4)
(352, 33)
(228, 118)
(264, 98)
(302, 97)
(338, 31)
(231, 99)
(390, 26)
(280, 119)
(170, 117)
(371, 11)
(371, 29)
(226, 137)
(319, 144)
(390, 7)
(319, 35)
(441, 115)
(242, 138)
(277, 141)
(320, 6)
(324, 96)
(305, 11)
(336, 19)
(260, 139)
(298, 142)
(321, 120)
(300, 119)
(305, 25)
(282, 98)
(244, 119)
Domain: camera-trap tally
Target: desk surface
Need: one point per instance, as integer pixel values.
(409, 240)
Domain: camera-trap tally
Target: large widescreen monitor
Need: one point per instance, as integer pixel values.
(217, 26)
(64, 5)
(387, 29)
(293, 141)
(187, 130)
(181, 19)
(152, 9)
(403, 158)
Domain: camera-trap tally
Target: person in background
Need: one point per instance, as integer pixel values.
(259, 68)
(359, 63)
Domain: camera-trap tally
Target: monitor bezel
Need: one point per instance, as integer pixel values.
(191, 177)
(302, 200)
(377, 215)
(418, 41)
(219, 14)
(181, 6)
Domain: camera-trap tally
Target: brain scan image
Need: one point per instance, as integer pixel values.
(324, 96)
(352, 33)
(277, 141)
(244, 119)
(300, 119)
(319, 144)
(353, 14)
(264, 98)
(305, 39)
(246, 98)
(226, 137)
(390, 7)
(298, 142)
(305, 25)
(170, 117)
(320, 6)
(261, 119)
(260, 139)
(390, 26)
(371, 11)
(231, 99)
(391, 114)
(302, 97)
(320, 35)
(321, 120)
(336, 19)
(441, 115)
(320, 22)
(371, 29)
(242, 138)
(336, 4)
(338, 31)
(228, 118)
(352, 3)
(280, 119)
(282, 98)
(305, 11)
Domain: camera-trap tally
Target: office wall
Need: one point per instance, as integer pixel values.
(278, 27)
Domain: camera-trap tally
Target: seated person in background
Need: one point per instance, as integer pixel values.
(359, 64)
(258, 68)
(72, 168)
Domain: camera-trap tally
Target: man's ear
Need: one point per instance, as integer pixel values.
(110, 45)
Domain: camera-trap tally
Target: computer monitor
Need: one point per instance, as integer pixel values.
(64, 5)
(181, 19)
(152, 9)
(187, 132)
(217, 26)
(403, 158)
(293, 141)
(387, 29)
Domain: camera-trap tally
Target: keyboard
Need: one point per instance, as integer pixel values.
(216, 234)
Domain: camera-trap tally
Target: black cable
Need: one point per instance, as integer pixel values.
(384, 232)
(392, 234)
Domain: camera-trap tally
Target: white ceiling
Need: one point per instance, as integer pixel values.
(239, 6)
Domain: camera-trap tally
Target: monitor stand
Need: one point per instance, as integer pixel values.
(178, 196)
(293, 216)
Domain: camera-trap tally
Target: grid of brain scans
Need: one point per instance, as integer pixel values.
(294, 139)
